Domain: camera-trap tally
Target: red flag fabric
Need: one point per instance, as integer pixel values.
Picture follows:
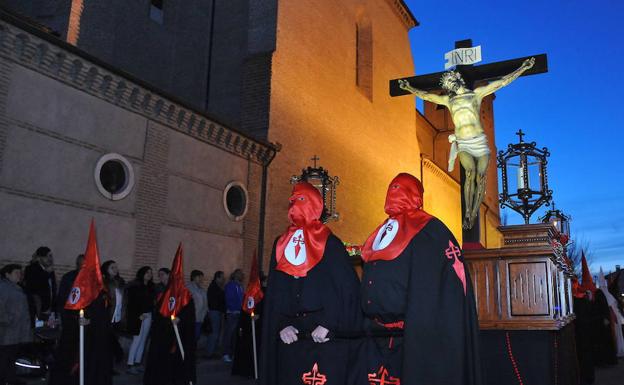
(588, 281)
(176, 296)
(253, 293)
(88, 283)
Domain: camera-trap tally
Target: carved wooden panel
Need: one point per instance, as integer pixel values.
(528, 289)
(485, 282)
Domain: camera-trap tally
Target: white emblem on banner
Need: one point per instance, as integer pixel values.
(74, 295)
(386, 234)
(172, 303)
(250, 302)
(295, 252)
(462, 56)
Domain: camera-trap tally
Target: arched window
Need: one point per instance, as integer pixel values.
(364, 57)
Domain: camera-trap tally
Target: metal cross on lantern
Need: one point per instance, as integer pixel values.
(326, 184)
(528, 191)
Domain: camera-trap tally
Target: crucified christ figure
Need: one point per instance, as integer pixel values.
(469, 142)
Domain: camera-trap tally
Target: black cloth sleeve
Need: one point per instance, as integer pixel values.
(441, 325)
(342, 307)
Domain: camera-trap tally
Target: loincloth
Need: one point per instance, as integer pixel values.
(477, 147)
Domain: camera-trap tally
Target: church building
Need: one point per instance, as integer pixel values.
(310, 79)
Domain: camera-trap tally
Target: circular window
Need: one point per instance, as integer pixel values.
(114, 176)
(235, 200)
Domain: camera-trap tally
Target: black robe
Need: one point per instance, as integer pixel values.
(243, 364)
(140, 301)
(421, 288)
(98, 368)
(327, 296)
(584, 340)
(605, 352)
(164, 364)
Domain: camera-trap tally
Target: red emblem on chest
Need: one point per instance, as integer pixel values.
(298, 241)
(382, 377)
(314, 377)
(453, 252)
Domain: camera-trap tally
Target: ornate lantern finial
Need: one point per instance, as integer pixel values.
(326, 184)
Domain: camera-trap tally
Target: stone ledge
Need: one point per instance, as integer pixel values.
(47, 55)
(403, 12)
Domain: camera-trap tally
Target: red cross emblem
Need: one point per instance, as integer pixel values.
(386, 229)
(298, 241)
(382, 377)
(313, 377)
(453, 252)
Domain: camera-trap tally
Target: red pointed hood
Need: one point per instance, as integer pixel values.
(176, 296)
(88, 283)
(588, 281)
(404, 201)
(253, 293)
(302, 246)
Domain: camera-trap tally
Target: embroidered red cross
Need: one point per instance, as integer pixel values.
(313, 377)
(74, 295)
(382, 377)
(298, 241)
(453, 252)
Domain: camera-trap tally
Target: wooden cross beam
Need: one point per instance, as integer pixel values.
(471, 74)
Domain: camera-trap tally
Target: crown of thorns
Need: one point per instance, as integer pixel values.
(451, 77)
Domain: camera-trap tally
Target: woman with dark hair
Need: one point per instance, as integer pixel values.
(139, 315)
(14, 320)
(114, 286)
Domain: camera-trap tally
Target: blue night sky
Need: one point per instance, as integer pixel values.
(572, 109)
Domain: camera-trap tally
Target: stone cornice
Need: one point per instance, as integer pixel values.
(438, 172)
(403, 12)
(45, 54)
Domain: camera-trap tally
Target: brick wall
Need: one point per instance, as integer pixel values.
(151, 199)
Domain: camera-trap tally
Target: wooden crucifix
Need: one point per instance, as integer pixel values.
(455, 89)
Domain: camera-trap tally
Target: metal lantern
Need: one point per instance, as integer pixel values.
(524, 178)
(558, 219)
(326, 184)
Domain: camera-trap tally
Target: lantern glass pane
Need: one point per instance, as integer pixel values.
(535, 173)
(514, 175)
(316, 182)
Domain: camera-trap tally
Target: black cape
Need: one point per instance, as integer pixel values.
(584, 340)
(98, 356)
(605, 352)
(243, 364)
(164, 364)
(421, 288)
(327, 296)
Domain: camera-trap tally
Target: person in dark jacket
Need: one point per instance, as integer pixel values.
(163, 278)
(139, 315)
(65, 285)
(216, 311)
(14, 321)
(114, 288)
(233, 304)
(40, 284)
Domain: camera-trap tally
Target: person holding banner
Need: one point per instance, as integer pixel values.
(84, 351)
(246, 348)
(171, 355)
(312, 295)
